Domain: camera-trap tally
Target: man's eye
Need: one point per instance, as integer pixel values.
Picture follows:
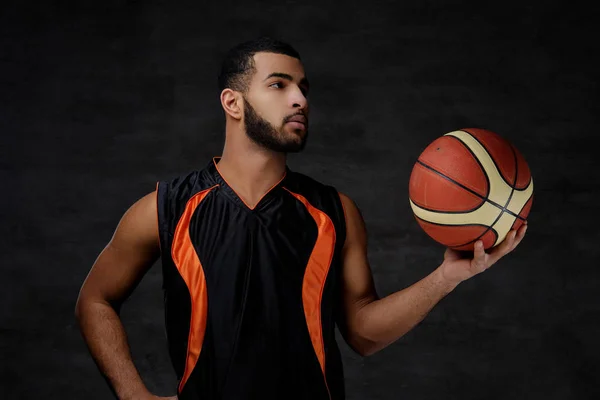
(276, 83)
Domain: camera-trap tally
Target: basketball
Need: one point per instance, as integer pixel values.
(468, 185)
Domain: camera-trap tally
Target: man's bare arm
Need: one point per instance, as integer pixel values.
(116, 272)
(370, 323)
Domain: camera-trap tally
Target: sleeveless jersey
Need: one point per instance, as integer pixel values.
(252, 295)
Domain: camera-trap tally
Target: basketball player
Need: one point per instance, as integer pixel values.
(259, 262)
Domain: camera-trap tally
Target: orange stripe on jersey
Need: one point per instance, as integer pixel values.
(189, 266)
(315, 276)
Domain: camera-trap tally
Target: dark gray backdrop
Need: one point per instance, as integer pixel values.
(101, 100)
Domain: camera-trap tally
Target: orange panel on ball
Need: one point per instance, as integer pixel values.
(489, 238)
(429, 190)
(450, 157)
(452, 235)
(523, 173)
(523, 214)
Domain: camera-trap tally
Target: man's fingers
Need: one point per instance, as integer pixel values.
(520, 235)
(508, 242)
(478, 251)
(517, 237)
(479, 255)
(512, 240)
(503, 248)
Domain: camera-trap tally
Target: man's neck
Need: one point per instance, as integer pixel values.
(251, 174)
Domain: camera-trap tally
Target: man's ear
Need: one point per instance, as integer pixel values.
(231, 102)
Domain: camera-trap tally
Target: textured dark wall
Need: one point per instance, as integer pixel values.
(100, 101)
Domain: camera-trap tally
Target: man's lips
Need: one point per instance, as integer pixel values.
(296, 125)
(298, 118)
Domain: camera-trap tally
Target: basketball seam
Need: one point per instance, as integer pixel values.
(512, 190)
(488, 228)
(491, 227)
(528, 182)
(467, 189)
(456, 183)
(490, 154)
(487, 178)
(512, 186)
(522, 208)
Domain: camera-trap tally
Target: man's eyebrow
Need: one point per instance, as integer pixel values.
(282, 75)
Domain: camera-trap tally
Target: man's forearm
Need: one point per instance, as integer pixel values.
(107, 341)
(384, 321)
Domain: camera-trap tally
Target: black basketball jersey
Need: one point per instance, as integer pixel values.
(252, 295)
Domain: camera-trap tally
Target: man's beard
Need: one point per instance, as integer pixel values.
(264, 134)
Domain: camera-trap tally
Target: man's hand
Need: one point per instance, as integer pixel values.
(456, 268)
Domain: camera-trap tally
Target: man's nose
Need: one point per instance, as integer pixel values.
(299, 100)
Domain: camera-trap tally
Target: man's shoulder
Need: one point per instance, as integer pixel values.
(304, 181)
(317, 192)
(187, 182)
(179, 181)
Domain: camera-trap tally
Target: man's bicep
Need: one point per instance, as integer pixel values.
(132, 250)
(357, 280)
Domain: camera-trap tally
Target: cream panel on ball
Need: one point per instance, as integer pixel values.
(519, 198)
(486, 214)
(499, 189)
(502, 226)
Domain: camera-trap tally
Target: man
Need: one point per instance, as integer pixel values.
(259, 263)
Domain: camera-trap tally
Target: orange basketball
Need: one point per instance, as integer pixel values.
(468, 185)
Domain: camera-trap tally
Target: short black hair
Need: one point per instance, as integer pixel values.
(238, 64)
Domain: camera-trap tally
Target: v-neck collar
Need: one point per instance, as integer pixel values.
(232, 193)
